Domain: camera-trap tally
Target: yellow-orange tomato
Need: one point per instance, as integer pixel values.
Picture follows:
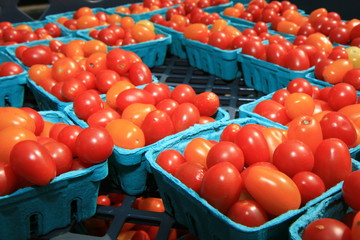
(298, 104)
(12, 116)
(9, 137)
(232, 12)
(114, 91)
(24, 27)
(320, 41)
(232, 32)
(114, 18)
(126, 134)
(218, 25)
(288, 27)
(142, 33)
(74, 49)
(180, 20)
(146, 23)
(93, 46)
(136, 112)
(122, 9)
(83, 11)
(38, 72)
(240, 6)
(197, 31)
(335, 72)
(352, 112)
(196, 150)
(87, 21)
(354, 55)
(127, 22)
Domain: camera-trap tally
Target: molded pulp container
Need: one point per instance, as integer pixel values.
(196, 214)
(12, 88)
(246, 111)
(177, 46)
(152, 53)
(37, 210)
(127, 166)
(332, 207)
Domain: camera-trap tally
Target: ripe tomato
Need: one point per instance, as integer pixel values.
(261, 182)
(276, 53)
(225, 151)
(272, 110)
(353, 77)
(11, 116)
(196, 150)
(170, 160)
(72, 88)
(221, 186)
(116, 59)
(102, 117)
(297, 59)
(68, 136)
(253, 144)
(280, 95)
(126, 134)
(334, 72)
(30, 160)
(8, 179)
(298, 104)
(105, 79)
(332, 161)
(87, 103)
(198, 32)
(114, 91)
(248, 213)
(229, 132)
(133, 95)
(94, 145)
(183, 93)
(140, 74)
(207, 103)
(159, 91)
(185, 116)
(323, 228)
(350, 188)
(299, 85)
(310, 185)
(320, 41)
(157, 124)
(355, 230)
(39, 54)
(293, 156)
(341, 95)
(65, 68)
(306, 129)
(219, 39)
(254, 48)
(142, 33)
(191, 174)
(167, 105)
(55, 129)
(61, 154)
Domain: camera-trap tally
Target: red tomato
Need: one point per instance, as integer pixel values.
(191, 174)
(207, 103)
(8, 179)
(225, 151)
(72, 88)
(306, 129)
(30, 160)
(280, 95)
(293, 156)
(255, 49)
(140, 74)
(229, 132)
(341, 95)
(68, 136)
(272, 110)
(337, 125)
(105, 79)
(355, 229)
(159, 91)
(87, 103)
(38, 119)
(167, 105)
(39, 54)
(116, 59)
(157, 125)
(332, 161)
(297, 59)
(55, 129)
(65, 68)
(221, 186)
(350, 188)
(133, 95)
(183, 93)
(170, 160)
(276, 53)
(219, 39)
(94, 145)
(353, 77)
(196, 150)
(326, 228)
(10, 68)
(253, 144)
(61, 154)
(248, 213)
(262, 182)
(102, 117)
(319, 68)
(185, 116)
(299, 85)
(310, 185)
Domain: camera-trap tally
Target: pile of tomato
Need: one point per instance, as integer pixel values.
(146, 6)
(34, 151)
(348, 226)
(23, 33)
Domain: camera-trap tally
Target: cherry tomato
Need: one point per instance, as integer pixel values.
(341, 95)
(350, 188)
(8, 179)
(102, 117)
(297, 59)
(207, 103)
(272, 110)
(229, 132)
(353, 77)
(170, 160)
(219, 39)
(355, 230)
(68, 136)
(280, 95)
(197, 32)
(140, 74)
(133, 95)
(159, 91)
(61, 154)
(225, 151)
(248, 213)
(38, 119)
(255, 49)
(30, 160)
(334, 72)
(105, 79)
(221, 186)
(276, 53)
(191, 174)
(196, 150)
(262, 182)
(157, 124)
(94, 145)
(310, 185)
(87, 103)
(298, 104)
(332, 161)
(299, 85)
(323, 228)
(185, 116)
(183, 93)
(39, 54)
(116, 59)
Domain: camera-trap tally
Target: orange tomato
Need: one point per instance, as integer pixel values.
(127, 23)
(320, 41)
(46, 130)
(232, 32)
(288, 27)
(136, 112)
(96, 62)
(122, 9)
(23, 27)
(65, 68)
(352, 112)
(87, 21)
(196, 150)
(274, 137)
(298, 104)
(83, 11)
(142, 33)
(11, 116)
(219, 25)
(232, 12)
(335, 71)
(314, 15)
(152, 204)
(9, 137)
(114, 91)
(38, 72)
(74, 49)
(114, 18)
(126, 134)
(93, 46)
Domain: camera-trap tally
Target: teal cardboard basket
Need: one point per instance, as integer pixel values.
(332, 207)
(34, 211)
(196, 214)
(127, 167)
(177, 46)
(12, 88)
(152, 53)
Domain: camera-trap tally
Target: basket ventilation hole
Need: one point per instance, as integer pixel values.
(7, 101)
(74, 209)
(34, 224)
